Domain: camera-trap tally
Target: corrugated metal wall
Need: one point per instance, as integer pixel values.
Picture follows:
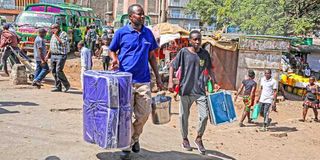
(224, 66)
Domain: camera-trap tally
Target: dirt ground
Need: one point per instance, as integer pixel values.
(37, 124)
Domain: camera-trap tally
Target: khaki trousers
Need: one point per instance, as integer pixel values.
(141, 105)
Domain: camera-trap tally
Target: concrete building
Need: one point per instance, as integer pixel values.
(177, 14)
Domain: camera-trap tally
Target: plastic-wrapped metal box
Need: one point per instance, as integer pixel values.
(106, 108)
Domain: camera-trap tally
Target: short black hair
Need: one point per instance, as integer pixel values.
(81, 43)
(268, 70)
(55, 25)
(313, 77)
(193, 32)
(6, 26)
(42, 30)
(130, 9)
(251, 73)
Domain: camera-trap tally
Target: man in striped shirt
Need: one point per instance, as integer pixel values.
(58, 52)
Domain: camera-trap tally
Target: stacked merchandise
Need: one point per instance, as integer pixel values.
(106, 108)
(295, 83)
(221, 108)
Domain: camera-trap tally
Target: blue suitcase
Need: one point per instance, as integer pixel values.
(221, 108)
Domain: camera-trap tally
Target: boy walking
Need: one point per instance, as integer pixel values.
(40, 52)
(267, 98)
(196, 69)
(86, 59)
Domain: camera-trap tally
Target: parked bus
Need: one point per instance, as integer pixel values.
(43, 15)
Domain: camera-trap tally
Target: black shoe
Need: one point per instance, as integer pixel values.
(67, 88)
(136, 147)
(56, 90)
(38, 83)
(34, 83)
(125, 155)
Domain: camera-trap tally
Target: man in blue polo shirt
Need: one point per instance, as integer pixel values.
(136, 45)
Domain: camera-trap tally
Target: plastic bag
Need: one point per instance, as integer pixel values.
(210, 87)
(256, 111)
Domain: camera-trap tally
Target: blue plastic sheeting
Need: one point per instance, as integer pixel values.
(221, 108)
(106, 108)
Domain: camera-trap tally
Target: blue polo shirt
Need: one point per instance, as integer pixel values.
(134, 48)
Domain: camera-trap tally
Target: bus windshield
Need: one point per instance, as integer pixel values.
(35, 19)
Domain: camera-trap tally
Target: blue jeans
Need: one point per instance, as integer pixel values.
(265, 111)
(41, 71)
(57, 65)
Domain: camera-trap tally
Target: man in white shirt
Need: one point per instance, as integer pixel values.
(86, 59)
(267, 97)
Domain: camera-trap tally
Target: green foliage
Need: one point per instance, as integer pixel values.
(273, 17)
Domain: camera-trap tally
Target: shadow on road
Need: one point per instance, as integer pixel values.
(174, 155)
(52, 158)
(75, 92)
(9, 104)
(283, 129)
(4, 111)
(259, 124)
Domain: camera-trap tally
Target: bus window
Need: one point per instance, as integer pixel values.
(84, 22)
(77, 13)
(82, 14)
(70, 21)
(68, 12)
(54, 9)
(36, 8)
(35, 19)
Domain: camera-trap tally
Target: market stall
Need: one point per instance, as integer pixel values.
(298, 65)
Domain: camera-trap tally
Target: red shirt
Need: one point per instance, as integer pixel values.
(8, 38)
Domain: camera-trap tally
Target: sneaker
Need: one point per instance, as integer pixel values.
(263, 129)
(250, 121)
(125, 155)
(34, 83)
(186, 145)
(136, 147)
(56, 90)
(200, 147)
(241, 125)
(67, 88)
(37, 83)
